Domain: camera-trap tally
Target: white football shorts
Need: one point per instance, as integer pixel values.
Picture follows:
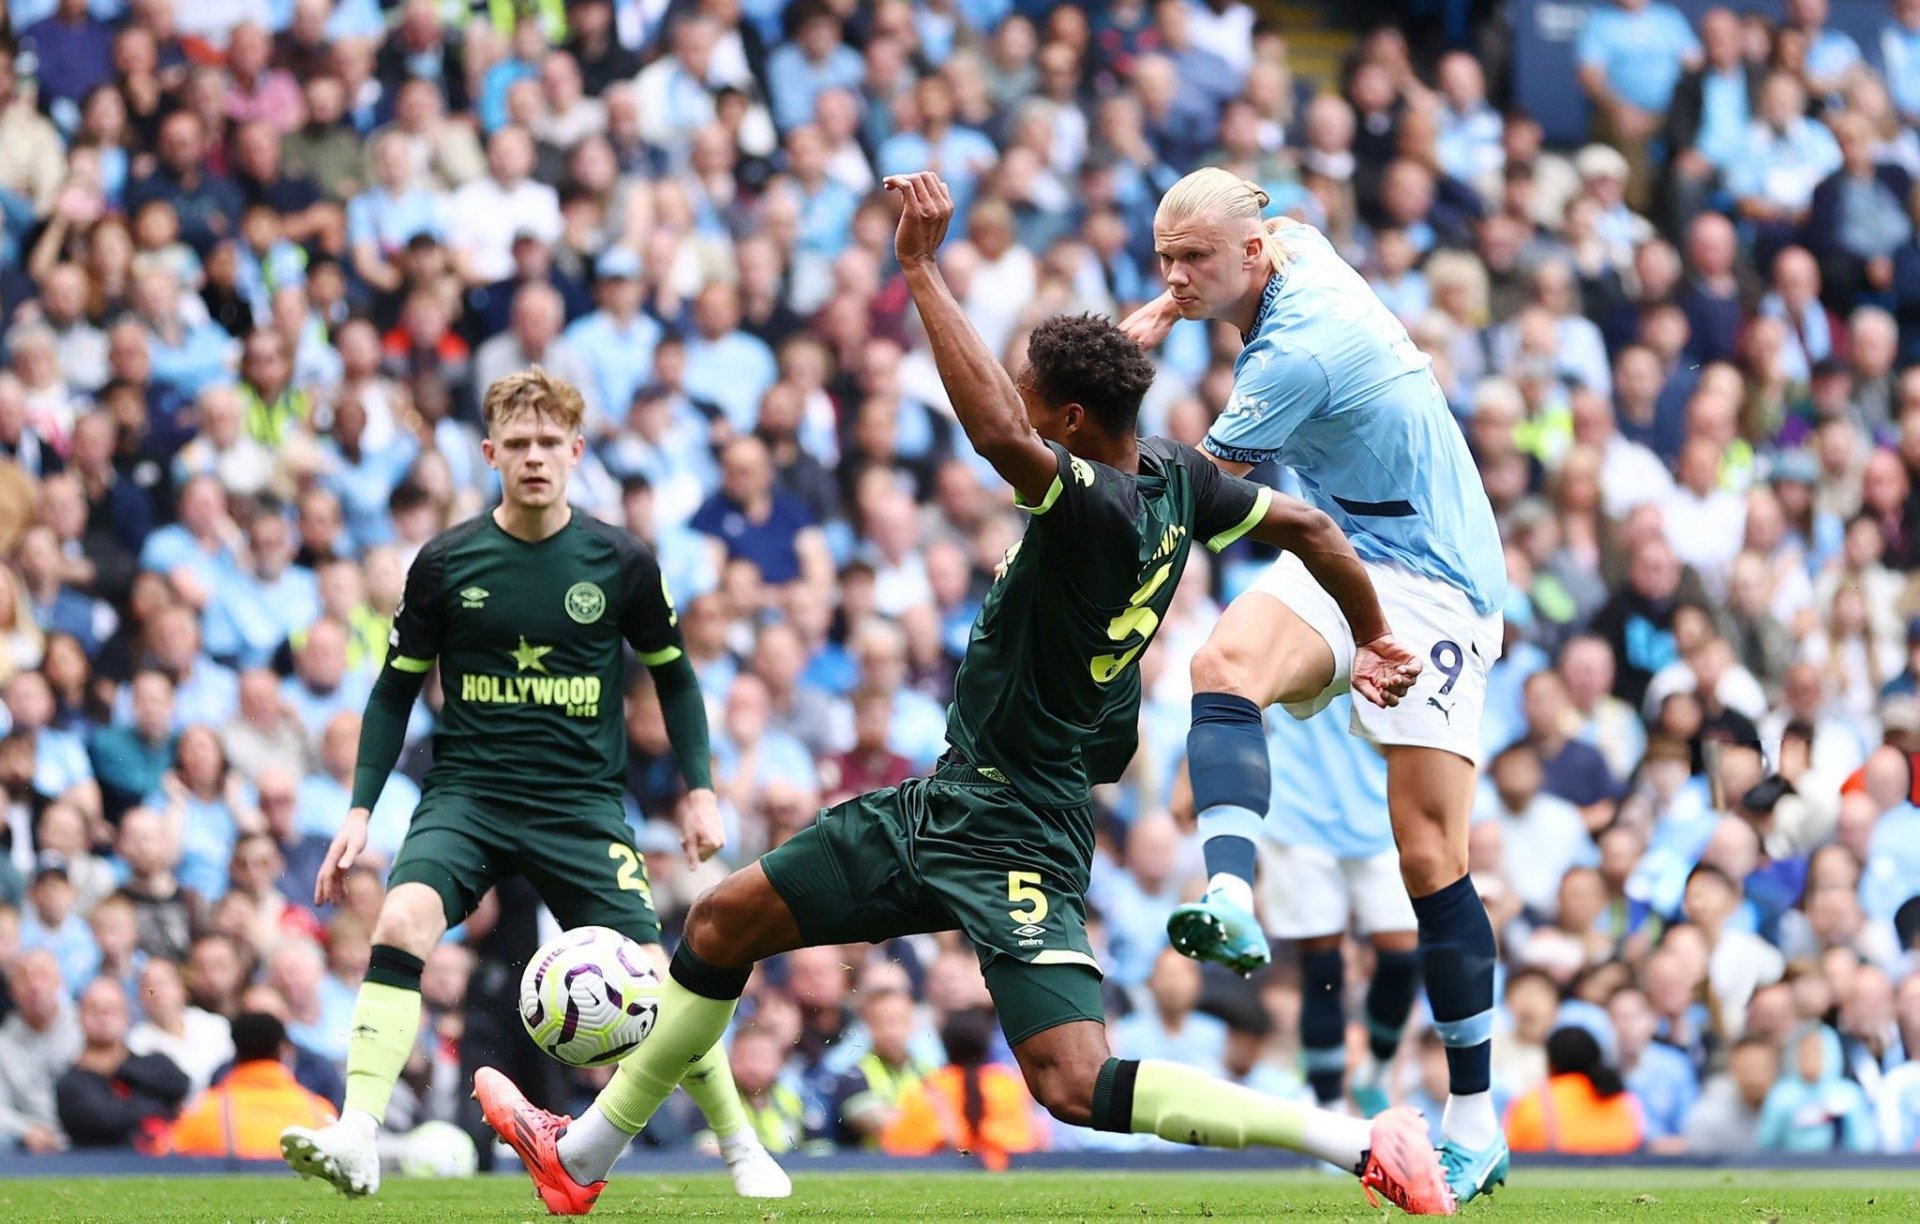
(1306, 892)
(1455, 643)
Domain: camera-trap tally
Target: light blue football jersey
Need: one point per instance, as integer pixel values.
(1331, 385)
(1329, 786)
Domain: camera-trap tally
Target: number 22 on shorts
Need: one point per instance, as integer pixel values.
(633, 876)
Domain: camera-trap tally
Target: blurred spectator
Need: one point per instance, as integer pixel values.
(196, 1041)
(970, 1105)
(259, 1093)
(1582, 1108)
(110, 1096)
(1169, 1027)
(1813, 1107)
(38, 1041)
(867, 1101)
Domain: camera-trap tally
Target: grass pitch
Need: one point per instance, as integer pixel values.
(1641, 1195)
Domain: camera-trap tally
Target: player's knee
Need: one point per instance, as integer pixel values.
(720, 926)
(1428, 862)
(1226, 663)
(1064, 1088)
(413, 918)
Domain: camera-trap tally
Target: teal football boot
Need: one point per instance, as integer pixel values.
(1222, 931)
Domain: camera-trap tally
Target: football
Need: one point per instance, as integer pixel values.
(589, 997)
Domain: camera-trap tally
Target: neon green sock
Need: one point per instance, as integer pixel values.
(386, 1019)
(709, 1081)
(1189, 1106)
(681, 1044)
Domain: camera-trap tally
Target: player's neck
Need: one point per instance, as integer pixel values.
(532, 523)
(1120, 454)
(1243, 312)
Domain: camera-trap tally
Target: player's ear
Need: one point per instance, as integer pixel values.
(486, 452)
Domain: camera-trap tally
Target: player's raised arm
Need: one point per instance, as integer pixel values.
(984, 397)
(1383, 670)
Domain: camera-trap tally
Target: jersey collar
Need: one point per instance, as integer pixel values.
(1268, 297)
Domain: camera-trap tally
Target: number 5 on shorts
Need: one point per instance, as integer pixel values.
(632, 877)
(1020, 887)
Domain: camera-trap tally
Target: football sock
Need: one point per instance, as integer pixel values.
(1456, 959)
(1187, 1106)
(1323, 1024)
(697, 1002)
(386, 1019)
(709, 1081)
(1396, 975)
(1232, 785)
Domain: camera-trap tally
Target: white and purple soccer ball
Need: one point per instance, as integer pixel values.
(589, 996)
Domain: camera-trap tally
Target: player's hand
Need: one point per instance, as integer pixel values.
(926, 211)
(701, 833)
(1150, 325)
(1383, 671)
(331, 885)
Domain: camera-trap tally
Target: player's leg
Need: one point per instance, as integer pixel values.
(1284, 640)
(1389, 1001)
(738, 922)
(1430, 797)
(445, 865)
(589, 873)
(1323, 1018)
(1051, 1016)
(1304, 898)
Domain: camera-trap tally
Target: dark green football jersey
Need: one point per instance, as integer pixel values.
(1048, 695)
(529, 640)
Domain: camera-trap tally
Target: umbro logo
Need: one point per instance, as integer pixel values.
(1029, 930)
(474, 597)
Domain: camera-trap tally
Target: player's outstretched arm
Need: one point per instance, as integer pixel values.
(1383, 670)
(984, 397)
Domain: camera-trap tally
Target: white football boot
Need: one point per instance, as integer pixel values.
(756, 1174)
(344, 1154)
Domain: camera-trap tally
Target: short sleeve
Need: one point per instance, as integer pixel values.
(648, 619)
(1275, 389)
(1081, 492)
(1591, 48)
(414, 641)
(1685, 41)
(1224, 507)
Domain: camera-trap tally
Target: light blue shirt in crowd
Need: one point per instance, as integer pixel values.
(1783, 168)
(1136, 921)
(1331, 385)
(1725, 112)
(59, 761)
(961, 157)
(1830, 54)
(251, 618)
(1201, 1042)
(389, 222)
(621, 358)
(794, 81)
(1329, 786)
(1667, 1087)
(203, 357)
(1642, 52)
(1900, 66)
(321, 805)
(732, 372)
(1469, 142)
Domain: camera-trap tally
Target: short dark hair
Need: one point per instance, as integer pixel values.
(257, 1037)
(1087, 360)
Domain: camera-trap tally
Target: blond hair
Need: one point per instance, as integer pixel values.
(1215, 193)
(533, 390)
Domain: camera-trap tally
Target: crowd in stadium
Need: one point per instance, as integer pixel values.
(260, 258)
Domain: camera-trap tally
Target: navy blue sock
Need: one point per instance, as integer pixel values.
(1232, 780)
(1390, 999)
(1323, 1023)
(1456, 959)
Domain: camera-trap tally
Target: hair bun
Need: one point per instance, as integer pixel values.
(1260, 195)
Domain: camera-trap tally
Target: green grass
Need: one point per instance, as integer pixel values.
(1641, 1195)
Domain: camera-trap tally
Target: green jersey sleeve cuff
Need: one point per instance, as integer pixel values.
(659, 658)
(406, 663)
(1259, 511)
(1046, 503)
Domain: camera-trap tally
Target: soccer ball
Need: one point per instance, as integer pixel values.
(589, 996)
(438, 1149)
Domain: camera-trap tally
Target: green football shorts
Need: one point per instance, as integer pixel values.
(957, 851)
(576, 850)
